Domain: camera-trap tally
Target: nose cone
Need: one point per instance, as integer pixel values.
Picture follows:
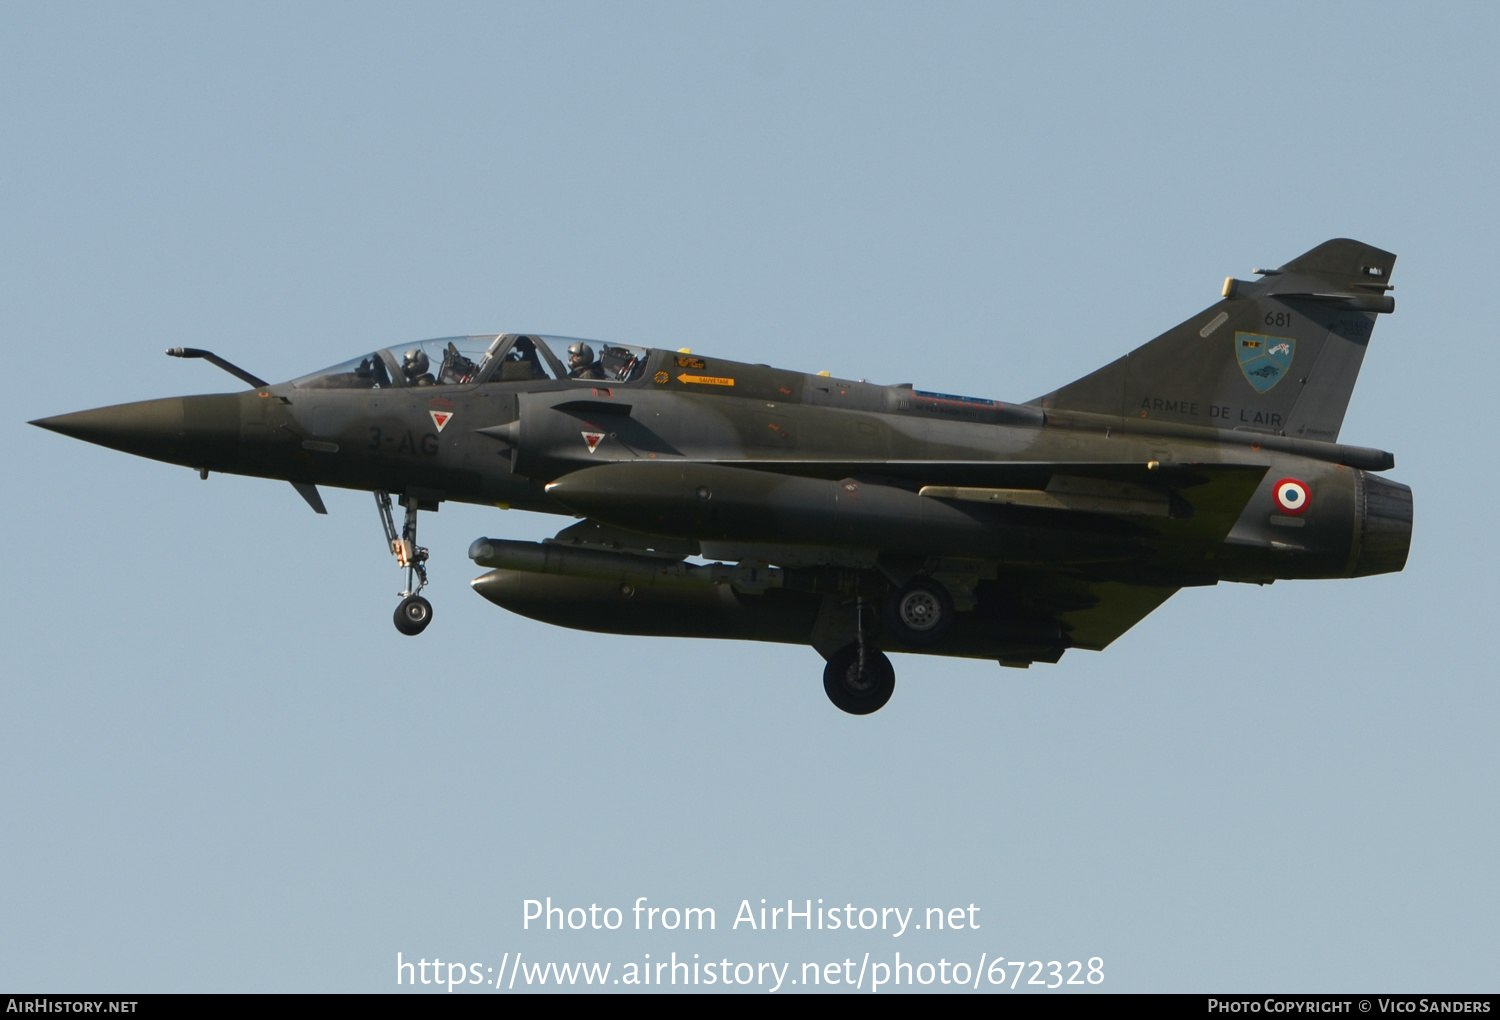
(196, 431)
(134, 428)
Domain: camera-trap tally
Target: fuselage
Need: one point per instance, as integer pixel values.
(777, 447)
(853, 517)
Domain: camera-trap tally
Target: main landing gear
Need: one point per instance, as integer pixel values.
(919, 613)
(859, 679)
(414, 613)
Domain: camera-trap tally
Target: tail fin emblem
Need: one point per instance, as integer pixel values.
(1264, 360)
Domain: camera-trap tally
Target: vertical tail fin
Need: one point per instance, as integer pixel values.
(1279, 354)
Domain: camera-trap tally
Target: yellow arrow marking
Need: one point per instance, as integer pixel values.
(705, 380)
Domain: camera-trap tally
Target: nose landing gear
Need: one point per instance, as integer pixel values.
(414, 613)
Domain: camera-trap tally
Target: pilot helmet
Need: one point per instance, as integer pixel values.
(414, 362)
(580, 355)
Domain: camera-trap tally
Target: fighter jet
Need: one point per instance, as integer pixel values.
(719, 499)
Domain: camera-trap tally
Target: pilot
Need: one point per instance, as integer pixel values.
(414, 364)
(581, 363)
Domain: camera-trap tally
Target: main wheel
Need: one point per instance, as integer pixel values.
(859, 693)
(413, 615)
(920, 613)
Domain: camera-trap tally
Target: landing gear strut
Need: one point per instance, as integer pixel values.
(414, 613)
(859, 679)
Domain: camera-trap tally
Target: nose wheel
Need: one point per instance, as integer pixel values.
(414, 613)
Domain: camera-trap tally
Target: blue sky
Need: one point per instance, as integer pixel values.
(224, 770)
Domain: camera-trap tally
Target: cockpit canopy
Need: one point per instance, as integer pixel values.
(462, 360)
(444, 362)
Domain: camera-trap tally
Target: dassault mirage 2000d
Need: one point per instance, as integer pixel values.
(854, 517)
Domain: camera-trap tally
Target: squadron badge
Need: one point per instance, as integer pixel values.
(1264, 359)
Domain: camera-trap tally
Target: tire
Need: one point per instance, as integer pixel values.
(413, 615)
(853, 693)
(920, 613)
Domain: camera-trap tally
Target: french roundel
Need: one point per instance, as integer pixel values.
(1291, 496)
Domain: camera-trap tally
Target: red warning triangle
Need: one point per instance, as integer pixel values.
(440, 418)
(592, 438)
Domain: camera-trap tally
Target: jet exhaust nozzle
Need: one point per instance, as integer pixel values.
(1384, 521)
